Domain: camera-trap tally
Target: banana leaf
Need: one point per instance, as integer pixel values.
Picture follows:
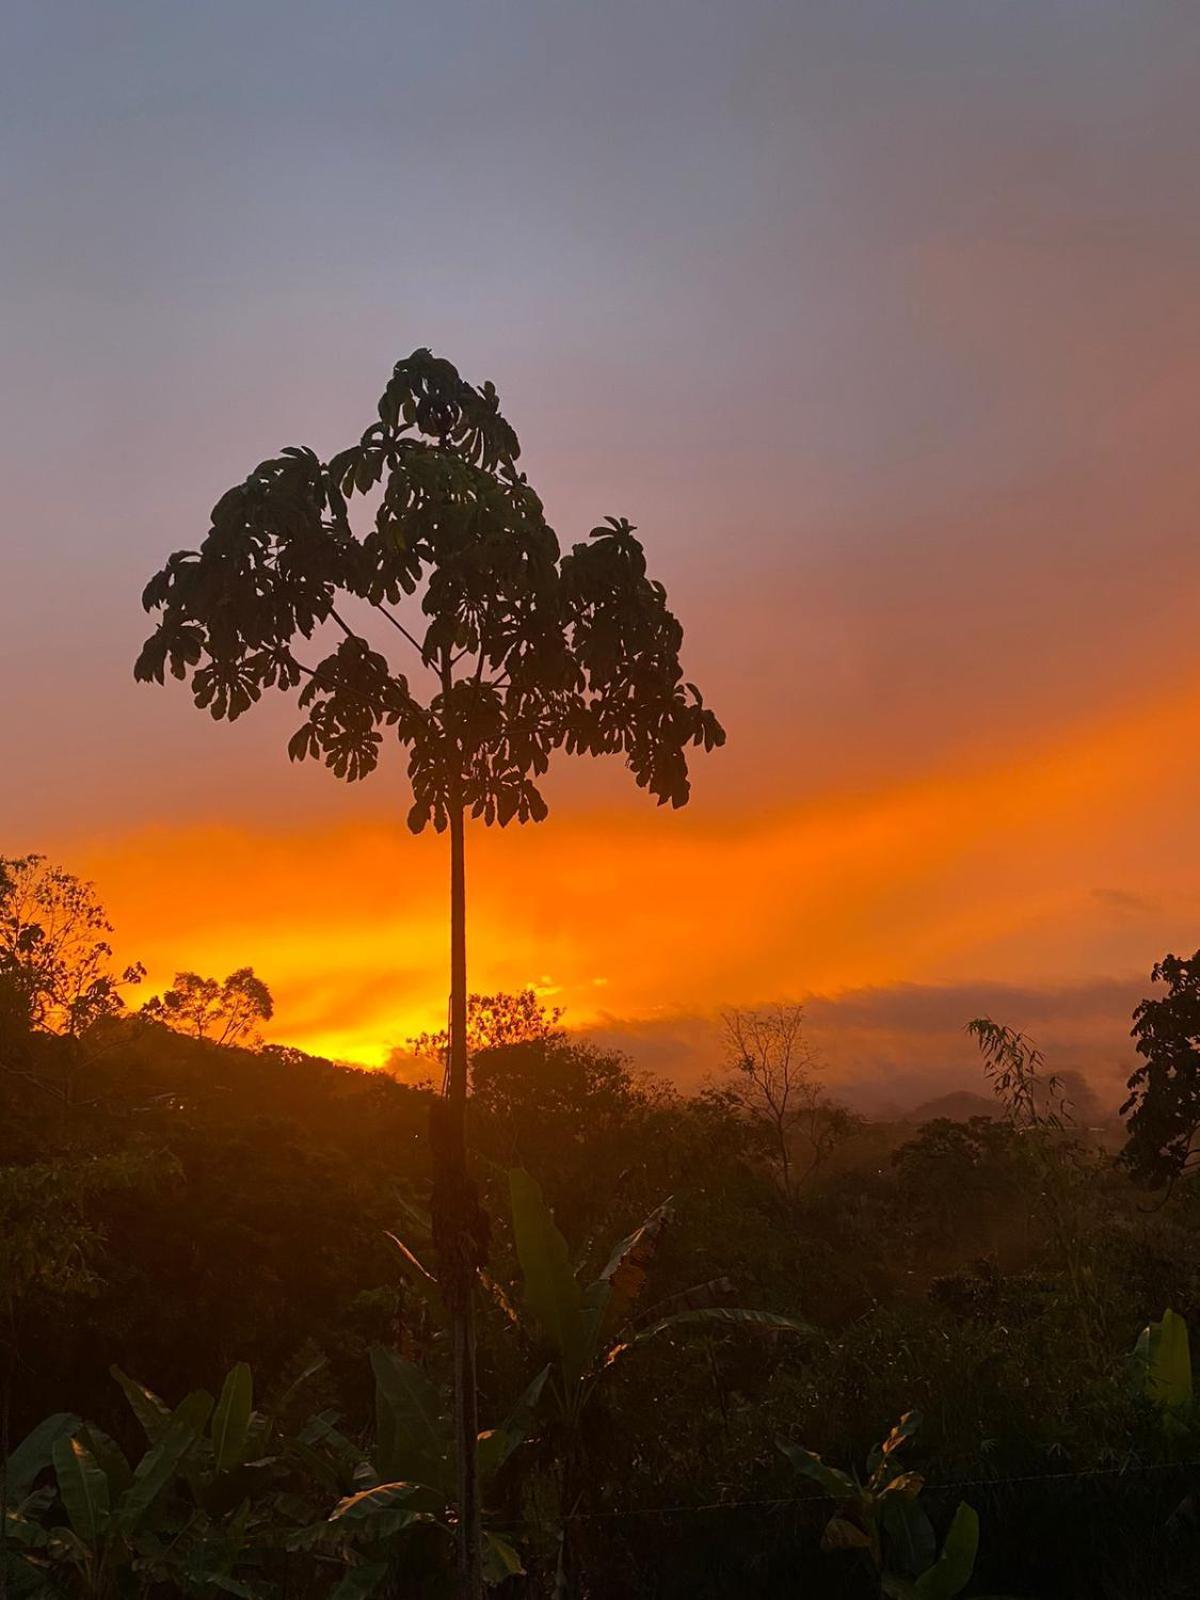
(1161, 1364)
(33, 1454)
(725, 1318)
(83, 1489)
(231, 1418)
(151, 1412)
(497, 1444)
(500, 1559)
(952, 1570)
(837, 1485)
(413, 1437)
(552, 1292)
(160, 1463)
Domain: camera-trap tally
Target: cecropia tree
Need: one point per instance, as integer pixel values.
(515, 650)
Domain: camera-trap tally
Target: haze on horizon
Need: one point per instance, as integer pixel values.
(879, 322)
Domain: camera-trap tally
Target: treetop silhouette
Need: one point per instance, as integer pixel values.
(532, 650)
(54, 948)
(226, 1012)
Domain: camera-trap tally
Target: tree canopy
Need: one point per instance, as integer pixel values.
(532, 649)
(493, 1021)
(54, 949)
(226, 1011)
(1163, 1109)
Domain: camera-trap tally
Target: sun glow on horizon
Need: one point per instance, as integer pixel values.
(935, 879)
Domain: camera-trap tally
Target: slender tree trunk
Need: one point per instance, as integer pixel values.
(466, 1407)
(785, 1159)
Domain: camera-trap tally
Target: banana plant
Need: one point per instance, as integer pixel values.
(1160, 1373)
(588, 1326)
(23, 1550)
(1160, 1366)
(880, 1516)
(408, 1482)
(105, 1518)
(209, 1497)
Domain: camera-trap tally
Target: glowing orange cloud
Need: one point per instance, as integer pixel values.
(1035, 866)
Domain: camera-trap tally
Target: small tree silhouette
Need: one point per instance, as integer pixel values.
(56, 970)
(227, 1013)
(527, 651)
(493, 1022)
(1163, 1109)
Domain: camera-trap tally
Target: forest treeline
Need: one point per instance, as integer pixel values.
(739, 1342)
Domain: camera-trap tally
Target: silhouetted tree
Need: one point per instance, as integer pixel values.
(56, 968)
(1016, 1069)
(527, 651)
(951, 1170)
(1163, 1109)
(775, 1080)
(553, 1076)
(226, 1012)
(493, 1021)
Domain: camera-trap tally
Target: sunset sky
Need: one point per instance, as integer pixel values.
(880, 320)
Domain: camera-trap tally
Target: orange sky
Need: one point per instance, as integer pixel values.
(1016, 867)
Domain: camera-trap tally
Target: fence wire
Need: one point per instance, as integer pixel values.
(1125, 1470)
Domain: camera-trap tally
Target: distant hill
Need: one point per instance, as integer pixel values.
(959, 1106)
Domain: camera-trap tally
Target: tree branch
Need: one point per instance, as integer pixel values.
(400, 628)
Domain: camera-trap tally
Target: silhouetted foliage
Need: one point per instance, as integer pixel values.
(54, 949)
(1015, 1068)
(553, 1081)
(227, 1012)
(58, 985)
(951, 1166)
(1163, 1108)
(531, 650)
(207, 1206)
(493, 1021)
(775, 1079)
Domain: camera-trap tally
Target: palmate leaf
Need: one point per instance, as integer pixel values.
(725, 1318)
(83, 1489)
(585, 644)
